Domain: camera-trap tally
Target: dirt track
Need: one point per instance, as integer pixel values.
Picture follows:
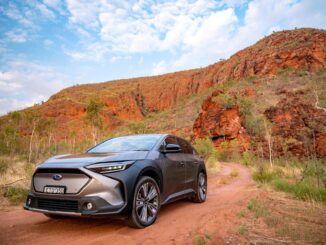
(178, 223)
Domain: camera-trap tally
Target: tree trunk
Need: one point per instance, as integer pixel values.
(31, 142)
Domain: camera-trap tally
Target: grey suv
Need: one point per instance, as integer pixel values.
(128, 176)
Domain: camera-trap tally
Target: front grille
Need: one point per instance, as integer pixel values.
(59, 170)
(58, 205)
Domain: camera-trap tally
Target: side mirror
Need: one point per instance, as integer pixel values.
(172, 148)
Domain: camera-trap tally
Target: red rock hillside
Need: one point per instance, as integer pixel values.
(133, 99)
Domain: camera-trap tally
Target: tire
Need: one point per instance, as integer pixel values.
(146, 203)
(54, 216)
(201, 191)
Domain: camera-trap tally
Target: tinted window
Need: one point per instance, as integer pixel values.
(170, 140)
(185, 146)
(127, 143)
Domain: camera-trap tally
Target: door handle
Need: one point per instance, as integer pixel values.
(182, 164)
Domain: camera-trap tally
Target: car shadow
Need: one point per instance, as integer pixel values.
(70, 224)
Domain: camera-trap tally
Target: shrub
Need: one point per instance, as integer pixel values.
(263, 176)
(227, 101)
(137, 128)
(245, 105)
(16, 194)
(254, 124)
(3, 166)
(247, 158)
(204, 147)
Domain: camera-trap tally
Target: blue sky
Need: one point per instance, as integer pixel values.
(48, 45)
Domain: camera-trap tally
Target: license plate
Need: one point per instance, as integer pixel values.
(54, 189)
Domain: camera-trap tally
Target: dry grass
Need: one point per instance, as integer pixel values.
(213, 166)
(223, 181)
(15, 181)
(234, 173)
(274, 218)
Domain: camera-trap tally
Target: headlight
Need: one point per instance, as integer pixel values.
(109, 167)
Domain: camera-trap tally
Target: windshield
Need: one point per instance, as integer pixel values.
(127, 143)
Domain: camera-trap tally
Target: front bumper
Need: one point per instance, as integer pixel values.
(101, 195)
(71, 207)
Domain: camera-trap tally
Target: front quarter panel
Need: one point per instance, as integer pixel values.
(130, 176)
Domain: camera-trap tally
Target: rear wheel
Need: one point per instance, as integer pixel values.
(200, 196)
(146, 203)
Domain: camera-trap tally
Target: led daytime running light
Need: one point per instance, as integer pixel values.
(109, 167)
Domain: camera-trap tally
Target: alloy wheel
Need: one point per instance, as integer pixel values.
(202, 186)
(147, 202)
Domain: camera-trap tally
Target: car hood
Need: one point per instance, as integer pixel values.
(81, 160)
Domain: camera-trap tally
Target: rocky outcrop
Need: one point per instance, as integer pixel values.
(221, 123)
(298, 127)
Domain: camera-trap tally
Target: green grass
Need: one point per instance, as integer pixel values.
(242, 229)
(202, 239)
(257, 207)
(242, 214)
(303, 190)
(264, 176)
(16, 194)
(199, 240)
(303, 179)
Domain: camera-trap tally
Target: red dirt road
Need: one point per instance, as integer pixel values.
(178, 223)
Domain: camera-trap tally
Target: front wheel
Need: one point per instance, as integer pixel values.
(201, 193)
(146, 203)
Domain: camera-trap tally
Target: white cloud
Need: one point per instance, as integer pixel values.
(13, 12)
(93, 52)
(220, 34)
(56, 5)
(142, 27)
(17, 36)
(48, 43)
(24, 83)
(12, 104)
(84, 12)
(45, 11)
(159, 68)
(7, 84)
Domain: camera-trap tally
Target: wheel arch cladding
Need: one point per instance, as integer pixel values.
(154, 174)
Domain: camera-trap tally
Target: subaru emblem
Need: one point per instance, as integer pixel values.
(57, 177)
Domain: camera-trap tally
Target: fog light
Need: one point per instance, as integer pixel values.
(29, 201)
(89, 206)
